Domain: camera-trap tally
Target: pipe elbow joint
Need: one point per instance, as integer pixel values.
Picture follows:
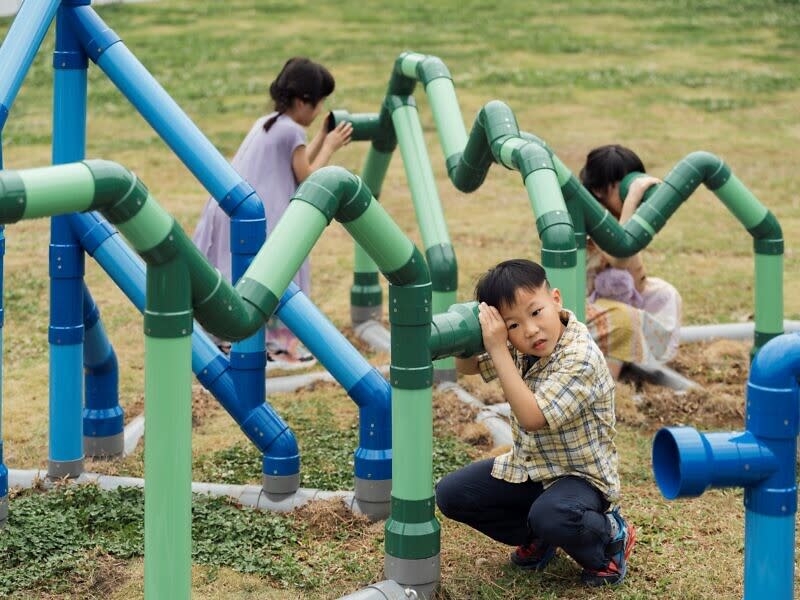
(430, 68)
(326, 188)
(443, 267)
(499, 122)
(273, 437)
(530, 158)
(557, 234)
(686, 462)
(113, 183)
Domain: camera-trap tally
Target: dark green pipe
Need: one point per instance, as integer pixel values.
(456, 332)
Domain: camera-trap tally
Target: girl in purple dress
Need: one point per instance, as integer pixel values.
(274, 158)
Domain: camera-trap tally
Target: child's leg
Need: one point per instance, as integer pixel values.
(492, 506)
(570, 514)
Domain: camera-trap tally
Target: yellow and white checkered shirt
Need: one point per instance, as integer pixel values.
(575, 392)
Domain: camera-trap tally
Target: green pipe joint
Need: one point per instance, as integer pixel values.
(443, 267)
(412, 532)
(456, 332)
(767, 236)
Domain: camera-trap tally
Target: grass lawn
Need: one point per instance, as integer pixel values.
(664, 78)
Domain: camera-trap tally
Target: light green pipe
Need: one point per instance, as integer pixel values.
(768, 297)
(741, 202)
(381, 238)
(168, 467)
(447, 116)
(46, 189)
(148, 227)
(421, 181)
(412, 438)
(295, 235)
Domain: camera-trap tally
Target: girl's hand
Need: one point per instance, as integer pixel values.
(639, 186)
(493, 328)
(339, 136)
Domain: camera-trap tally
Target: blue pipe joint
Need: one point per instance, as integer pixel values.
(686, 462)
(102, 415)
(248, 226)
(95, 36)
(92, 231)
(373, 457)
(66, 273)
(272, 436)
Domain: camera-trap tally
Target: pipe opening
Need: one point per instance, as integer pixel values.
(667, 464)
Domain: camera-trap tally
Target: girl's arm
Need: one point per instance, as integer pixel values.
(316, 144)
(333, 140)
(633, 264)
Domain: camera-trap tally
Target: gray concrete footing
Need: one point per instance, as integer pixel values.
(59, 469)
(3, 510)
(372, 498)
(421, 575)
(361, 314)
(109, 446)
(442, 375)
(383, 590)
(280, 485)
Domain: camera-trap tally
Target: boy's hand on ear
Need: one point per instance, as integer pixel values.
(493, 328)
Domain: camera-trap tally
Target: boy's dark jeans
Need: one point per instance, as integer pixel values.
(569, 514)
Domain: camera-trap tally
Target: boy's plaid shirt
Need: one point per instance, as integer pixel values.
(575, 391)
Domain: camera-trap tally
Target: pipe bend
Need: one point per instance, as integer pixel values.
(430, 68)
(777, 364)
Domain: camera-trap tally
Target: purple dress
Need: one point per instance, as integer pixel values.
(264, 160)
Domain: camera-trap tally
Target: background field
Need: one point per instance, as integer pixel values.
(665, 78)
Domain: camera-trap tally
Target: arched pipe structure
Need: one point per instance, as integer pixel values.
(761, 459)
(650, 217)
(495, 137)
(181, 284)
(363, 383)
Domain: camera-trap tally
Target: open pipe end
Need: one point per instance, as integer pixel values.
(681, 464)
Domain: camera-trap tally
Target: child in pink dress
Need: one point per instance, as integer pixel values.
(274, 158)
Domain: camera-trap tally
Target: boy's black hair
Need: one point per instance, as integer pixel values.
(607, 165)
(299, 78)
(498, 286)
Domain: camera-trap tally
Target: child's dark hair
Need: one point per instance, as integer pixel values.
(498, 286)
(299, 78)
(607, 165)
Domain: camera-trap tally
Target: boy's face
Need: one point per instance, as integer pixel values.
(533, 321)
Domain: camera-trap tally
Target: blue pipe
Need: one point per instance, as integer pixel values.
(21, 45)
(103, 416)
(363, 382)
(127, 270)
(761, 459)
(66, 331)
(3, 469)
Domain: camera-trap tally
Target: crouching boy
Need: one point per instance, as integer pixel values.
(555, 487)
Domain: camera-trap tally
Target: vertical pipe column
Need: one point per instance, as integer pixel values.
(366, 296)
(168, 451)
(3, 469)
(438, 248)
(103, 417)
(575, 208)
(66, 264)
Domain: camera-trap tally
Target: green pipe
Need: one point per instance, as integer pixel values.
(45, 189)
(168, 452)
(390, 253)
(696, 168)
(366, 296)
(768, 298)
(447, 116)
(456, 332)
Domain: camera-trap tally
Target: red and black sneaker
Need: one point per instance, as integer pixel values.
(533, 556)
(620, 550)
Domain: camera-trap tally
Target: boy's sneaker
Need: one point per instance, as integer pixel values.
(620, 550)
(533, 556)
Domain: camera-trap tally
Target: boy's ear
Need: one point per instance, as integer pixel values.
(556, 295)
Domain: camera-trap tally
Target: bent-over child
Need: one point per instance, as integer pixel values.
(558, 486)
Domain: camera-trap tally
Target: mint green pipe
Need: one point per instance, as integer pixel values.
(412, 439)
(447, 116)
(168, 467)
(419, 174)
(768, 296)
(741, 202)
(381, 238)
(366, 290)
(148, 227)
(46, 189)
(292, 240)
